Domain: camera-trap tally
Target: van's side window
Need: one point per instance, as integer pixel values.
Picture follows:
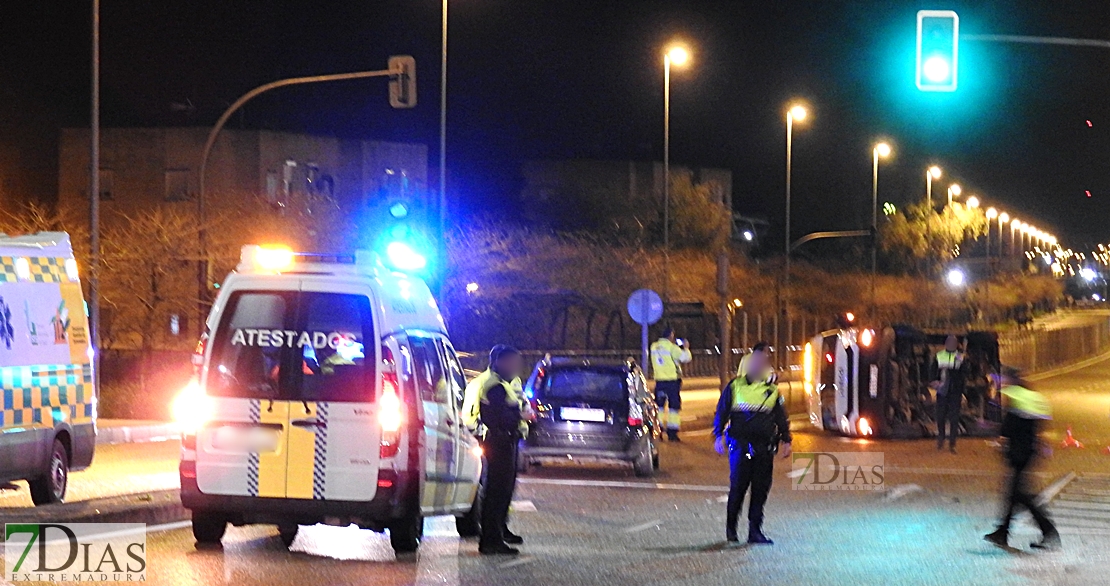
(455, 376)
(431, 381)
(243, 364)
(334, 366)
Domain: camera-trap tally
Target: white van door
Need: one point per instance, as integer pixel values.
(469, 463)
(334, 434)
(440, 420)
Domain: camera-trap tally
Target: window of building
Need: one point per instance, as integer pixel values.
(177, 185)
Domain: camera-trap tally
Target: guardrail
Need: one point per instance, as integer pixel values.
(1040, 350)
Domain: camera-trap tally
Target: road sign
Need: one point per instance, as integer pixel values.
(645, 306)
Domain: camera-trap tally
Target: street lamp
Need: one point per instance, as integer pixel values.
(954, 190)
(796, 112)
(956, 278)
(930, 174)
(677, 55)
(881, 150)
(972, 202)
(1015, 225)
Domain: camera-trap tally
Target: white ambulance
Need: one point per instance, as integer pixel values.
(48, 421)
(327, 392)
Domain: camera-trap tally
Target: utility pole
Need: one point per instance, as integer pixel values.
(94, 198)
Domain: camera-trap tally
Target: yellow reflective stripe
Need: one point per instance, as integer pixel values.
(272, 465)
(302, 452)
(753, 397)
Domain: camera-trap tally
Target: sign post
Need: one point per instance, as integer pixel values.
(645, 307)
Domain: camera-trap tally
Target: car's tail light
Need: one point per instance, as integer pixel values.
(865, 427)
(635, 414)
(390, 416)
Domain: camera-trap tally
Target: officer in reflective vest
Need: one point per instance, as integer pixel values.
(667, 358)
(949, 379)
(470, 406)
(1026, 412)
(750, 424)
(500, 413)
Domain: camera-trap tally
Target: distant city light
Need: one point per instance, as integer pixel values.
(1088, 274)
(471, 287)
(748, 235)
(956, 278)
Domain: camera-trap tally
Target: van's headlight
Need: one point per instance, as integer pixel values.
(191, 408)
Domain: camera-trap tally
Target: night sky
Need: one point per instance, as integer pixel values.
(560, 78)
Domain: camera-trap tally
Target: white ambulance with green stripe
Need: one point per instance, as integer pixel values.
(327, 392)
(48, 421)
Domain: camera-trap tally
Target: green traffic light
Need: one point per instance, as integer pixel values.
(936, 69)
(938, 38)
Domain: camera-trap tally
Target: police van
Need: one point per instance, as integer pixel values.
(327, 391)
(48, 421)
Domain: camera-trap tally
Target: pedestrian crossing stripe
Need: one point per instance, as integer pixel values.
(43, 269)
(44, 395)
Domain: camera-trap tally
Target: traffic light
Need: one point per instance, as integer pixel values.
(402, 81)
(402, 238)
(938, 35)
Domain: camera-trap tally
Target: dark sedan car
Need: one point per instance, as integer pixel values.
(591, 410)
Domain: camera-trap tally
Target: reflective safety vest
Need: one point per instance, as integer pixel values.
(1027, 403)
(666, 360)
(476, 391)
(760, 396)
(949, 360)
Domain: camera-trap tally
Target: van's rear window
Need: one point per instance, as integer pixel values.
(585, 385)
(289, 345)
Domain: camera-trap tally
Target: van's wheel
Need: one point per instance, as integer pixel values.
(404, 534)
(644, 464)
(288, 533)
(654, 456)
(470, 524)
(208, 528)
(51, 487)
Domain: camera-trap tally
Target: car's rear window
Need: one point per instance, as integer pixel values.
(585, 385)
(289, 345)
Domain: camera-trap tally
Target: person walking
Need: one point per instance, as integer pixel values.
(750, 424)
(1022, 423)
(667, 357)
(501, 415)
(949, 379)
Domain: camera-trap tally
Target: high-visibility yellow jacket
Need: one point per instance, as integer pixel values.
(666, 360)
(477, 388)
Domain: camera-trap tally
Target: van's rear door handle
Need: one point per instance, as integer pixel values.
(308, 423)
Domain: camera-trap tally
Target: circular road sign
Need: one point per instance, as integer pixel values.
(645, 306)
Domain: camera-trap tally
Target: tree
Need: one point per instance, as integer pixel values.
(698, 218)
(919, 241)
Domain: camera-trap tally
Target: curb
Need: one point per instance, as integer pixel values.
(108, 434)
(152, 508)
(1061, 370)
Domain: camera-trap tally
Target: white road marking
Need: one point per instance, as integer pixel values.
(619, 484)
(723, 498)
(1054, 489)
(698, 432)
(644, 526)
(523, 507)
(902, 490)
(149, 529)
(517, 562)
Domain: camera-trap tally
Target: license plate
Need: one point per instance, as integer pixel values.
(245, 439)
(580, 414)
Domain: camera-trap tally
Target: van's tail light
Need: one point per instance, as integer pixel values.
(192, 408)
(198, 353)
(635, 414)
(390, 416)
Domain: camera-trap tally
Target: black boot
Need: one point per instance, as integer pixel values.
(756, 536)
(672, 435)
(512, 538)
(731, 536)
(1048, 542)
(999, 537)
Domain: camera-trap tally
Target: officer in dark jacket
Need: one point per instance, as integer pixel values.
(949, 376)
(1026, 412)
(501, 414)
(750, 424)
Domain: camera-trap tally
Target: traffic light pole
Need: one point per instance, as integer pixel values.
(1096, 43)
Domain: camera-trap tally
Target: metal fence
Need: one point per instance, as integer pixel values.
(1040, 350)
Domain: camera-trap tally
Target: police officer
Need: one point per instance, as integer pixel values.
(667, 358)
(949, 380)
(750, 424)
(1026, 412)
(500, 413)
(470, 417)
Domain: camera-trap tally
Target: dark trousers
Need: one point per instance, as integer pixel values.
(500, 452)
(1019, 495)
(948, 414)
(753, 471)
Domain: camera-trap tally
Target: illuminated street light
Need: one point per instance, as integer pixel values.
(737, 303)
(472, 287)
(881, 150)
(991, 212)
(930, 174)
(1088, 274)
(748, 235)
(973, 202)
(796, 112)
(677, 55)
(956, 278)
(954, 190)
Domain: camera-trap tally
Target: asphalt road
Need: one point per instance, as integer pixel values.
(590, 524)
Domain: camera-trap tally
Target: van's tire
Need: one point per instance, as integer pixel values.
(405, 534)
(50, 488)
(470, 524)
(208, 528)
(644, 465)
(288, 533)
(654, 456)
